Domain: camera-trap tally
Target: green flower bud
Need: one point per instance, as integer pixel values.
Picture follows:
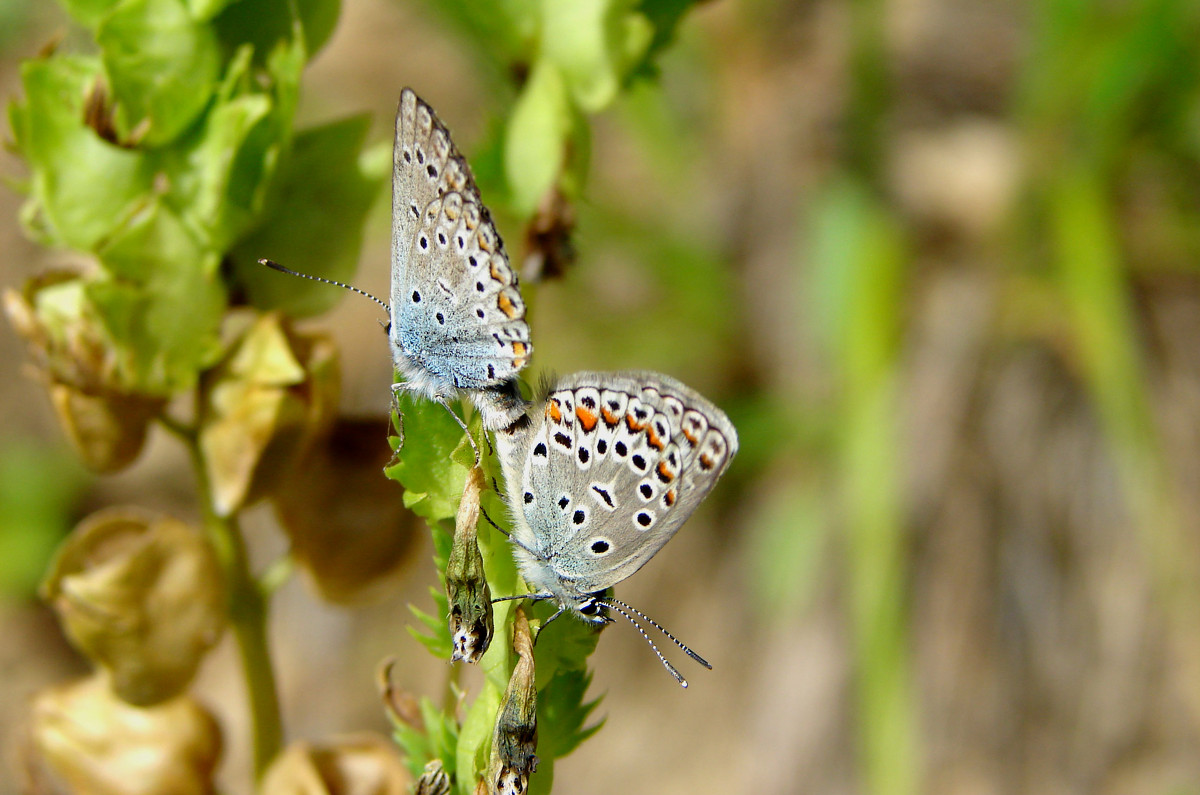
(466, 587)
(264, 404)
(79, 365)
(100, 745)
(140, 595)
(361, 764)
(514, 741)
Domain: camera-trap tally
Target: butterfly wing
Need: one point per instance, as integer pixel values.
(612, 467)
(425, 166)
(458, 320)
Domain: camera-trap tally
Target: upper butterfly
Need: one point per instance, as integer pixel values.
(600, 476)
(457, 318)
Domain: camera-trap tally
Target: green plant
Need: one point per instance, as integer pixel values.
(169, 161)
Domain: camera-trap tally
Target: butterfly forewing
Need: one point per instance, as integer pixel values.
(458, 320)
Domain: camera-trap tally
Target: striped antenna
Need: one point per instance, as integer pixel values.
(276, 266)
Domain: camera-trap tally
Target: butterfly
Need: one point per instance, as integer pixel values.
(457, 320)
(599, 476)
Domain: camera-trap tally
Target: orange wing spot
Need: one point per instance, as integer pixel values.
(632, 424)
(706, 461)
(497, 274)
(587, 420)
(654, 440)
(666, 475)
(670, 498)
(687, 434)
(506, 304)
(553, 411)
(610, 419)
(519, 348)
(485, 244)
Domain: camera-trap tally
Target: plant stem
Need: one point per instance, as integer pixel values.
(247, 612)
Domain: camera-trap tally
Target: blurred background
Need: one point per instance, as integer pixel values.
(937, 260)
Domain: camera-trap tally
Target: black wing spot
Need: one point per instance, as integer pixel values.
(416, 297)
(639, 462)
(491, 371)
(431, 171)
(564, 501)
(416, 213)
(562, 439)
(584, 455)
(647, 490)
(441, 319)
(424, 241)
(604, 495)
(472, 261)
(420, 155)
(601, 446)
(461, 243)
(644, 519)
(578, 517)
(441, 238)
(479, 287)
(528, 497)
(599, 547)
(479, 314)
(620, 449)
(540, 449)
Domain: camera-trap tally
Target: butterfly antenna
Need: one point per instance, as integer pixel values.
(483, 511)
(671, 669)
(276, 266)
(663, 630)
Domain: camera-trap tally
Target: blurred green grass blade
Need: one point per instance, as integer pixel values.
(38, 489)
(859, 260)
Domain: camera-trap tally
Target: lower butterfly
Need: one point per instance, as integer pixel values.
(600, 475)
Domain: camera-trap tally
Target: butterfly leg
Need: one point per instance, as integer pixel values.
(463, 425)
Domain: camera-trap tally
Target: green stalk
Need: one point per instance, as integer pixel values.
(248, 612)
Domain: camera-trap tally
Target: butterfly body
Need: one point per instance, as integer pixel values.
(601, 474)
(457, 317)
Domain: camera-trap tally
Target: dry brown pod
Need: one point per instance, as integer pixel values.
(141, 595)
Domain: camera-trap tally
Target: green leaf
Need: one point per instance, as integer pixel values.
(219, 175)
(315, 221)
(164, 307)
(436, 637)
(538, 130)
(82, 188)
(267, 23)
(562, 713)
(438, 741)
(89, 12)
(433, 480)
(475, 734)
(163, 66)
(586, 40)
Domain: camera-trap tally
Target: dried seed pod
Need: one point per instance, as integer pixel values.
(141, 595)
(360, 764)
(466, 586)
(514, 741)
(264, 404)
(434, 781)
(73, 357)
(100, 745)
